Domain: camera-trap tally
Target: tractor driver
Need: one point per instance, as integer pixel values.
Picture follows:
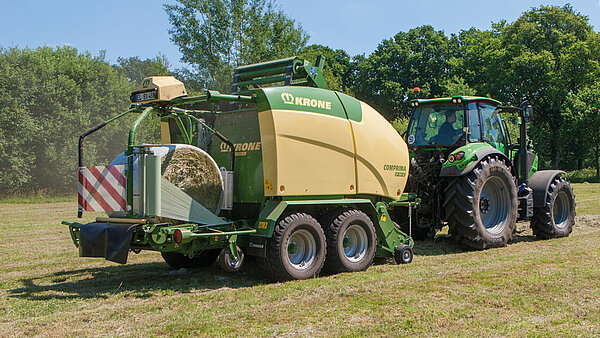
(447, 134)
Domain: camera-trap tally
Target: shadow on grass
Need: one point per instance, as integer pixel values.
(445, 244)
(523, 238)
(144, 279)
(134, 280)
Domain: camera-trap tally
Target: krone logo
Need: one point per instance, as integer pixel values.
(241, 148)
(146, 83)
(304, 101)
(224, 147)
(287, 98)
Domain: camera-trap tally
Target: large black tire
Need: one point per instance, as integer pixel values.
(557, 216)
(351, 241)
(202, 259)
(481, 207)
(297, 249)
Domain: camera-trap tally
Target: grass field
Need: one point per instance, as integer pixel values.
(528, 288)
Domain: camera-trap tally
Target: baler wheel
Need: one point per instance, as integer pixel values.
(403, 254)
(201, 260)
(481, 207)
(297, 249)
(228, 263)
(351, 241)
(557, 216)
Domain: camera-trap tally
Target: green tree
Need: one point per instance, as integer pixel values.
(546, 55)
(338, 66)
(215, 36)
(49, 97)
(417, 58)
(586, 112)
(476, 60)
(457, 86)
(136, 69)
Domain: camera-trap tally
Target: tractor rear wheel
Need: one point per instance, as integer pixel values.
(297, 249)
(481, 207)
(557, 216)
(350, 241)
(201, 260)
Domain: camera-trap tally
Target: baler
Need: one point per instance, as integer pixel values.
(303, 177)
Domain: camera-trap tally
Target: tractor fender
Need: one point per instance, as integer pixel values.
(476, 157)
(539, 183)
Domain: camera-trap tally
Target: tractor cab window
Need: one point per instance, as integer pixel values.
(493, 132)
(436, 125)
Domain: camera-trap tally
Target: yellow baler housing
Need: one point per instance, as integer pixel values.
(321, 142)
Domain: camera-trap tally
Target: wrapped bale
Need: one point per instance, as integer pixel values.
(192, 170)
(188, 168)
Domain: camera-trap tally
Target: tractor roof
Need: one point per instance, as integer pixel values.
(450, 99)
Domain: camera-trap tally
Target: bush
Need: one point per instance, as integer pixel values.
(583, 175)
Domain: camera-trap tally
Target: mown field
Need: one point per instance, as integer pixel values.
(528, 288)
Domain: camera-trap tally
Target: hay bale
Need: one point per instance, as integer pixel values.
(196, 173)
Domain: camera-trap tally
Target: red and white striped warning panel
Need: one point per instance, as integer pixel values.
(102, 188)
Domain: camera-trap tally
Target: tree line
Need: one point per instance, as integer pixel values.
(549, 55)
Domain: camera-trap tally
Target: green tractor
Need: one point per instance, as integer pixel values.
(471, 176)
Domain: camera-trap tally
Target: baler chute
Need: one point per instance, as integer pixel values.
(309, 177)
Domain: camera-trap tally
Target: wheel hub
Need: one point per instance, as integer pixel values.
(494, 205)
(301, 249)
(292, 248)
(484, 205)
(561, 209)
(355, 243)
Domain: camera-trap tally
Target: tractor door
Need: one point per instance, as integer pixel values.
(491, 127)
(474, 123)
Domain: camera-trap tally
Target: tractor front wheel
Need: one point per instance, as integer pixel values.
(557, 216)
(297, 249)
(481, 207)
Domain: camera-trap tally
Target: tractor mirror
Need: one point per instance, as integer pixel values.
(529, 113)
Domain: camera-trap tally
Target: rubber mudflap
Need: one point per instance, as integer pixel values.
(108, 240)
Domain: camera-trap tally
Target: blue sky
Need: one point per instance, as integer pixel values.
(139, 27)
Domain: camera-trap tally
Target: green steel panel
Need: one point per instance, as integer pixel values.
(308, 99)
(241, 128)
(272, 209)
(352, 106)
(470, 151)
(534, 166)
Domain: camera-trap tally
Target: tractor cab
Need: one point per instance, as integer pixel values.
(451, 122)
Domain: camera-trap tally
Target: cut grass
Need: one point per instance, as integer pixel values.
(36, 199)
(528, 288)
(587, 197)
